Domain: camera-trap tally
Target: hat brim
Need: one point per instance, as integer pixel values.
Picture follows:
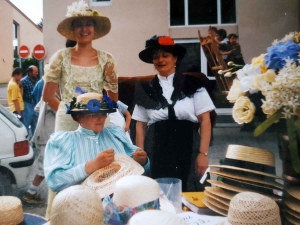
(246, 170)
(146, 55)
(220, 192)
(217, 203)
(233, 188)
(215, 208)
(224, 201)
(76, 111)
(102, 26)
(245, 178)
(103, 180)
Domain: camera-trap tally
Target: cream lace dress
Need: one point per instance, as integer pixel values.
(90, 79)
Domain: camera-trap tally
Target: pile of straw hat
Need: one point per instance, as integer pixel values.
(11, 212)
(77, 205)
(250, 208)
(292, 205)
(103, 180)
(244, 169)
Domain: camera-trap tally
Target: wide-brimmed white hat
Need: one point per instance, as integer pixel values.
(11, 212)
(155, 217)
(80, 10)
(133, 194)
(103, 180)
(77, 205)
(249, 208)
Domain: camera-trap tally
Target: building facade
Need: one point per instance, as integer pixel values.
(256, 22)
(17, 30)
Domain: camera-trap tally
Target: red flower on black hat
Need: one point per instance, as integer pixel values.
(165, 40)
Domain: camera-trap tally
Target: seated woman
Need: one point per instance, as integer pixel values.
(72, 156)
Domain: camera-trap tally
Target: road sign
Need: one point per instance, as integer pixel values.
(39, 52)
(24, 51)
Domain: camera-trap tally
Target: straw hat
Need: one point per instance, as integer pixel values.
(77, 205)
(154, 217)
(95, 103)
(249, 208)
(236, 189)
(80, 10)
(103, 180)
(136, 190)
(11, 212)
(224, 201)
(161, 42)
(215, 207)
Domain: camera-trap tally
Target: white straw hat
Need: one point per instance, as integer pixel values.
(103, 180)
(77, 205)
(249, 208)
(136, 190)
(155, 217)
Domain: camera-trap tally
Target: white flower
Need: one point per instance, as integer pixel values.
(228, 74)
(247, 75)
(78, 9)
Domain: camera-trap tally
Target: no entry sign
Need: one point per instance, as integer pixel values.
(39, 52)
(24, 51)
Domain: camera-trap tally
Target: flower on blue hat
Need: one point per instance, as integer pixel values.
(94, 105)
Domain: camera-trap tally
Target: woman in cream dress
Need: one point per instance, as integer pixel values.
(81, 66)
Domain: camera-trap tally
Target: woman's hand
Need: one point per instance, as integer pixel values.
(201, 164)
(140, 156)
(102, 160)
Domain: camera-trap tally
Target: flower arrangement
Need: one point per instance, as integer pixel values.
(80, 8)
(275, 77)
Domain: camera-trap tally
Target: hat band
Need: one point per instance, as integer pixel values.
(121, 214)
(249, 165)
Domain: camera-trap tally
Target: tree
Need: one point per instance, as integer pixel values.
(40, 24)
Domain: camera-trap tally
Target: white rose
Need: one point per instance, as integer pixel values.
(235, 91)
(243, 110)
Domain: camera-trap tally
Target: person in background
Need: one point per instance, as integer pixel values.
(15, 92)
(222, 41)
(234, 52)
(166, 110)
(29, 115)
(121, 118)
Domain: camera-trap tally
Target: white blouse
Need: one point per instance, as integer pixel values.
(185, 109)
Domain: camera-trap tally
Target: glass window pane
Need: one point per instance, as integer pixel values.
(202, 12)
(191, 61)
(176, 12)
(228, 11)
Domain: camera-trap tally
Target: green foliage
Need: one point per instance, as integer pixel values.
(25, 63)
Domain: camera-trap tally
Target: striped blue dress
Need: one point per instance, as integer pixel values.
(67, 153)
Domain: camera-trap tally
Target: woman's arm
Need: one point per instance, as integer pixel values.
(49, 95)
(140, 133)
(205, 135)
(113, 96)
(127, 120)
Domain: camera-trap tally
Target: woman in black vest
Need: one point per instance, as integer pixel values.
(166, 110)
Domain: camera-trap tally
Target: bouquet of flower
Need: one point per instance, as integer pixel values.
(275, 76)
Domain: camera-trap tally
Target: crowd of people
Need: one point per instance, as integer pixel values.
(83, 82)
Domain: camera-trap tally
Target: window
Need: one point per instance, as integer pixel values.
(100, 2)
(15, 39)
(15, 29)
(202, 12)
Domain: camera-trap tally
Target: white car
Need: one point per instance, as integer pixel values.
(16, 154)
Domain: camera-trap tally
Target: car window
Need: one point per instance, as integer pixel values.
(11, 117)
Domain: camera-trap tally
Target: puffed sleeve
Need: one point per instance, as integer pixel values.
(54, 69)
(129, 148)
(110, 82)
(59, 168)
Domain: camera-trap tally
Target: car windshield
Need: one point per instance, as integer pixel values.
(11, 117)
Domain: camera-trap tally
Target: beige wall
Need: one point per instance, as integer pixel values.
(29, 34)
(134, 21)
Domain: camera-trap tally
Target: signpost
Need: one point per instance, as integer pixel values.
(39, 52)
(24, 52)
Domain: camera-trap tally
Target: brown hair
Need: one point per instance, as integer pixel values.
(17, 71)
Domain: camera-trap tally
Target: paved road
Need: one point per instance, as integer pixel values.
(224, 134)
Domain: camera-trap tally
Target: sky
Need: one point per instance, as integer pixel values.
(31, 8)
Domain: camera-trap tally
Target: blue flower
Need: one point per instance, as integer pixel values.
(94, 105)
(80, 91)
(110, 103)
(275, 59)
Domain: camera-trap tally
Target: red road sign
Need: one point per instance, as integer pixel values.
(24, 51)
(39, 52)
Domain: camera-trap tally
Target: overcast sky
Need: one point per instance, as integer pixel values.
(31, 8)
